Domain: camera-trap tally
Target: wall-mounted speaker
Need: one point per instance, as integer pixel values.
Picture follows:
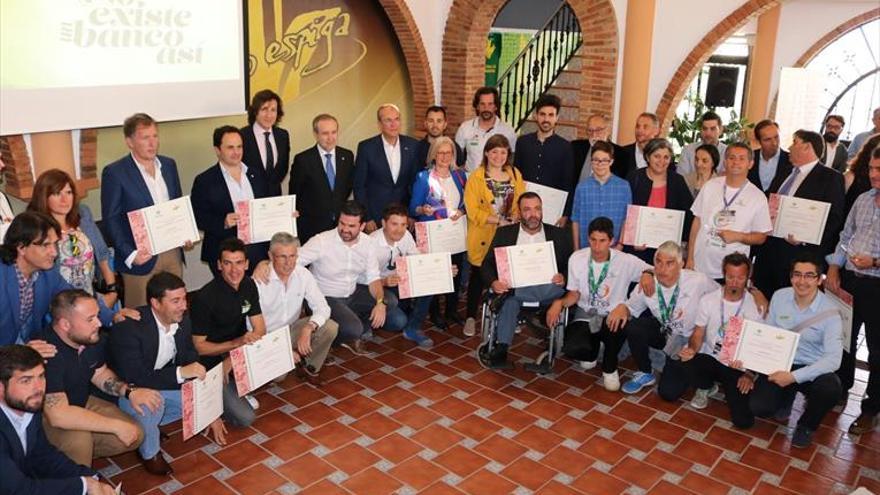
(721, 87)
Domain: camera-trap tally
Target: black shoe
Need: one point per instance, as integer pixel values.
(802, 438)
(453, 319)
(439, 322)
(863, 424)
(496, 303)
(496, 359)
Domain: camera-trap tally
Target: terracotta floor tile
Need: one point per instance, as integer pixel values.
(324, 487)
(453, 408)
(765, 460)
(696, 451)
(205, 485)
(573, 428)
(604, 420)
(176, 447)
(485, 482)
(375, 425)
(423, 355)
(341, 388)
(547, 388)
(500, 449)
(692, 420)
(655, 402)
(333, 435)
(362, 365)
(306, 469)
(664, 431)
(289, 444)
(268, 402)
(872, 484)
(235, 434)
(395, 397)
(371, 482)
(635, 440)
(415, 416)
(317, 414)
(357, 405)
(528, 473)
(395, 359)
(781, 442)
(636, 472)
(698, 483)
(138, 480)
(512, 418)
(194, 466)
(669, 462)
(451, 350)
(568, 461)
(488, 399)
(274, 422)
(736, 474)
(765, 488)
(395, 448)
(632, 412)
(871, 439)
(607, 451)
(727, 439)
(465, 386)
(256, 480)
(667, 488)
(761, 429)
(850, 451)
(241, 455)
(302, 395)
(126, 460)
(538, 439)
(437, 438)
(352, 458)
(835, 468)
(596, 482)
(467, 363)
(461, 461)
(476, 427)
(442, 369)
(417, 472)
(518, 393)
(800, 481)
(433, 390)
(413, 373)
(550, 410)
(378, 380)
(556, 488)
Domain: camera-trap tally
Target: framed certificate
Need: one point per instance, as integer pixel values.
(260, 219)
(253, 365)
(202, 401)
(803, 219)
(651, 227)
(424, 275)
(442, 236)
(843, 301)
(164, 226)
(552, 201)
(760, 347)
(526, 265)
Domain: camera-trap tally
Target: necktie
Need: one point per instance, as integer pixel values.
(786, 186)
(270, 155)
(328, 167)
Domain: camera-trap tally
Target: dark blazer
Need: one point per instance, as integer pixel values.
(49, 283)
(581, 150)
(42, 470)
(373, 185)
(318, 206)
(624, 160)
(783, 169)
(133, 347)
(838, 161)
(507, 235)
(272, 179)
(678, 195)
(123, 190)
(211, 203)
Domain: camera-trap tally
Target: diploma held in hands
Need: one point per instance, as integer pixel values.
(164, 226)
(552, 201)
(260, 219)
(255, 364)
(760, 347)
(843, 300)
(202, 401)
(803, 219)
(526, 265)
(647, 226)
(442, 236)
(424, 275)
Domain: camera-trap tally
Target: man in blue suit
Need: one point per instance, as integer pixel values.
(385, 166)
(28, 462)
(140, 179)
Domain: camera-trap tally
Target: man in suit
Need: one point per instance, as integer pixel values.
(215, 192)
(771, 161)
(435, 125)
(157, 352)
(140, 179)
(267, 146)
(598, 129)
(385, 167)
(508, 301)
(322, 177)
(28, 462)
(632, 156)
(807, 181)
(834, 155)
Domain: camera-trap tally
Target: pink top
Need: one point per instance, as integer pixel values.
(657, 199)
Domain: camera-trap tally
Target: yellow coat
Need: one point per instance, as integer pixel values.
(478, 200)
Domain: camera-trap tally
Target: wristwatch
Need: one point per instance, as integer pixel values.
(129, 388)
(381, 300)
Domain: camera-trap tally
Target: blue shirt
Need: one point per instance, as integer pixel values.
(861, 234)
(821, 344)
(593, 199)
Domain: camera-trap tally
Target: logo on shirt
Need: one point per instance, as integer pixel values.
(245, 307)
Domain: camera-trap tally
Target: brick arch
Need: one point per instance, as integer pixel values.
(464, 52)
(701, 53)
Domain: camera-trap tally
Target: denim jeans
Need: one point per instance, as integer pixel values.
(169, 411)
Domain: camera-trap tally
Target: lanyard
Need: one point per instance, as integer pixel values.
(724, 197)
(594, 284)
(666, 311)
(723, 328)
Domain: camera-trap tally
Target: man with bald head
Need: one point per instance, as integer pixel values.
(598, 129)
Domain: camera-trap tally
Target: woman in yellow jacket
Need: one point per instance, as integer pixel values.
(490, 201)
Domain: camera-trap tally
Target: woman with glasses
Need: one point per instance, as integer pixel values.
(81, 247)
(602, 194)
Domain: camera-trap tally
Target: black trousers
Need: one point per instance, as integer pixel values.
(642, 333)
(701, 372)
(821, 394)
(474, 291)
(613, 342)
(866, 294)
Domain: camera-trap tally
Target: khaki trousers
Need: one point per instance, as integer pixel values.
(136, 285)
(83, 446)
(322, 337)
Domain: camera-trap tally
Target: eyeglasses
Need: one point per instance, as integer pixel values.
(593, 130)
(600, 161)
(805, 276)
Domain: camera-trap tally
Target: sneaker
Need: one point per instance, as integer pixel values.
(802, 438)
(639, 381)
(418, 337)
(587, 365)
(357, 347)
(863, 424)
(252, 401)
(470, 327)
(611, 381)
(701, 397)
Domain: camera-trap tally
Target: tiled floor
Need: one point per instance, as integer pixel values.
(407, 420)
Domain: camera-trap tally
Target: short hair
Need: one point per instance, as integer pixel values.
(875, 154)
(394, 209)
(283, 239)
(321, 117)
(438, 142)
(161, 283)
(653, 116)
(669, 248)
(352, 208)
(17, 357)
(260, 98)
(29, 227)
(836, 117)
(496, 141)
(736, 259)
(815, 140)
(739, 145)
(712, 151)
(548, 100)
(52, 182)
(383, 107)
(602, 146)
(436, 108)
(487, 90)
(601, 224)
(131, 124)
(64, 301)
(804, 256)
(710, 115)
(657, 144)
(528, 195)
(231, 245)
(222, 131)
(760, 126)
(598, 116)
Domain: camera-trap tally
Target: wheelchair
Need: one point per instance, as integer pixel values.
(543, 364)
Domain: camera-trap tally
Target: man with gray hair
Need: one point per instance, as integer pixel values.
(282, 300)
(663, 319)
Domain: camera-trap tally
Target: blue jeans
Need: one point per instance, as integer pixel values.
(509, 313)
(169, 411)
(417, 308)
(352, 313)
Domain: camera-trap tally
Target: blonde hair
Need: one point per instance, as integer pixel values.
(435, 146)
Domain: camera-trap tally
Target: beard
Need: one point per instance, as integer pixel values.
(22, 404)
(487, 115)
(830, 137)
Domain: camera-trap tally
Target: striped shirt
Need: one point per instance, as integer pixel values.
(861, 234)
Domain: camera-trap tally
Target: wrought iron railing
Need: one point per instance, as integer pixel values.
(539, 64)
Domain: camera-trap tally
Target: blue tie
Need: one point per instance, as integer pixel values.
(786, 186)
(328, 167)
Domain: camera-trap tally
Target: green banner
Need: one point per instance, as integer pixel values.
(493, 58)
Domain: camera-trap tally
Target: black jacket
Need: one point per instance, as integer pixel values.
(678, 195)
(507, 236)
(318, 206)
(783, 169)
(251, 157)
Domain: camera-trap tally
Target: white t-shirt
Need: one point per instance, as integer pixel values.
(472, 139)
(692, 287)
(386, 254)
(623, 270)
(709, 317)
(748, 212)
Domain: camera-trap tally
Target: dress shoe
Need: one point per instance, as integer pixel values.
(439, 322)
(308, 375)
(163, 436)
(157, 465)
(863, 424)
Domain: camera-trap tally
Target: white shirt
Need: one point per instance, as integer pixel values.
(450, 194)
(747, 213)
(688, 157)
(240, 190)
(472, 139)
(282, 302)
(322, 152)
(640, 157)
(392, 153)
(525, 238)
(167, 346)
(804, 171)
(767, 168)
(158, 192)
(260, 135)
(623, 270)
(692, 287)
(6, 215)
(709, 317)
(19, 423)
(386, 253)
(337, 266)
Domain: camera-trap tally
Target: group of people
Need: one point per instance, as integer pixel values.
(90, 375)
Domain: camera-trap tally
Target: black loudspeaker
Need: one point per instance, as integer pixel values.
(721, 87)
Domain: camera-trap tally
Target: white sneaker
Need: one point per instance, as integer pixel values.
(252, 401)
(611, 381)
(701, 397)
(470, 327)
(587, 365)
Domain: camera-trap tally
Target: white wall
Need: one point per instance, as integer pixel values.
(430, 17)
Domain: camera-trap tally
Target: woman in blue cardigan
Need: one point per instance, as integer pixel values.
(438, 193)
